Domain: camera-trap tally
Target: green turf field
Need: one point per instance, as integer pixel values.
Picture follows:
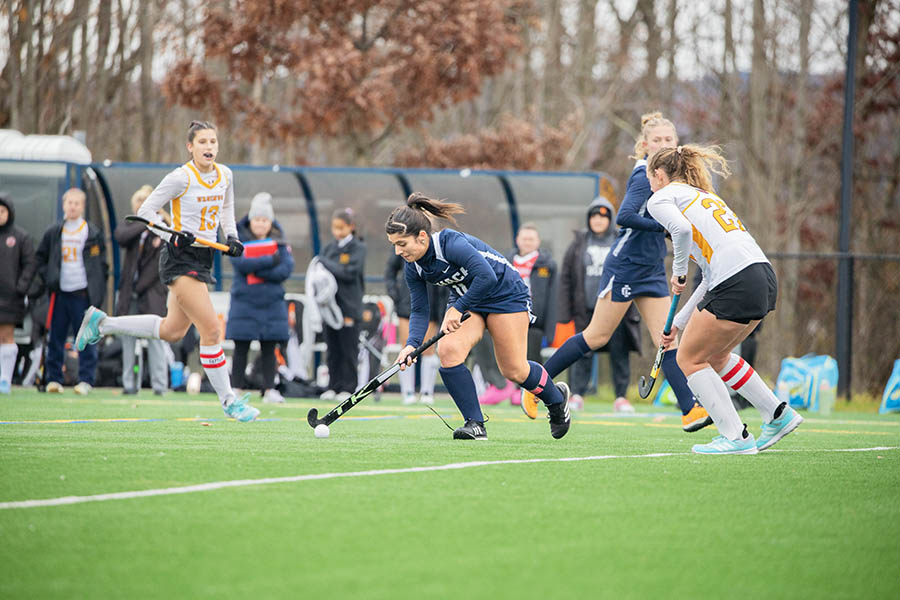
(805, 520)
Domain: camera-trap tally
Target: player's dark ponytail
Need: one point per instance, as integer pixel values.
(412, 218)
(196, 126)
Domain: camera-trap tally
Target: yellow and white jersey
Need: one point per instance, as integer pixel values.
(200, 202)
(705, 230)
(72, 273)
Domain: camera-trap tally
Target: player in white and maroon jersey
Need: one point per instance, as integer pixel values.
(201, 194)
(738, 289)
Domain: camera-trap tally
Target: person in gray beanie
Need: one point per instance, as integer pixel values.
(258, 310)
(261, 206)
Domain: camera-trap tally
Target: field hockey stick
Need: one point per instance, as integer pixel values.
(645, 387)
(42, 369)
(313, 416)
(158, 227)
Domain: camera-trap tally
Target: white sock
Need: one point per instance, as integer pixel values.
(430, 365)
(142, 326)
(8, 353)
(743, 379)
(408, 382)
(713, 395)
(478, 378)
(213, 360)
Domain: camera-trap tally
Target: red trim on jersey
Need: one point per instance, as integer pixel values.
(726, 376)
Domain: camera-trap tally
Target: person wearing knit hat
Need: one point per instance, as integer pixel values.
(257, 310)
(261, 206)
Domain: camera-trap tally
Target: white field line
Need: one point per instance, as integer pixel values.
(217, 485)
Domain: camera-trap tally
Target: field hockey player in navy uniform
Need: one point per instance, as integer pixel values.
(201, 193)
(738, 289)
(483, 283)
(634, 271)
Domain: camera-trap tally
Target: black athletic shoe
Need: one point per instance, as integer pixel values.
(559, 413)
(472, 430)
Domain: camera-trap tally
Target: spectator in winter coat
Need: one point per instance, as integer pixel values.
(72, 263)
(258, 310)
(17, 268)
(579, 281)
(345, 258)
(142, 292)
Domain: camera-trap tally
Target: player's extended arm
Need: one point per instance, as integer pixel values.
(636, 193)
(664, 210)
(419, 308)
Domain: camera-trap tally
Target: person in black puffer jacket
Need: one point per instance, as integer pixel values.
(17, 267)
(345, 258)
(142, 292)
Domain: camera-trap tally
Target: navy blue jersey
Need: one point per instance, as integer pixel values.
(480, 279)
(641, 240)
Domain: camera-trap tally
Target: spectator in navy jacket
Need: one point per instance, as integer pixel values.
(258, 310)
(345, 257)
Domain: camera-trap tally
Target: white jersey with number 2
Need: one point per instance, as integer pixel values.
(200, 201)
(706, 230)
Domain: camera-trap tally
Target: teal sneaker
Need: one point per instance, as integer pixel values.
(89, 332)
(722, 445)
(5, 388)
(240, 410)
(778, 428)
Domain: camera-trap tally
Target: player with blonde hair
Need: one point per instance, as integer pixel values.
(738, 289)
(633, 271)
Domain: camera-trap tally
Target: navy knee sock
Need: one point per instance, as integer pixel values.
(678, 381)
(458, 381)
(541, 385)
(574, 348)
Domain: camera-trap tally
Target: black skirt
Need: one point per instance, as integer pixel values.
(748, 295)
(192, 261)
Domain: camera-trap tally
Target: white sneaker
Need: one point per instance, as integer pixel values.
(342, 396)
(409, 399)
(622, 405)
(328, 395)
(54, 387)
(273, 396)
(82, 389)
(426, 398)
(576, 402)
